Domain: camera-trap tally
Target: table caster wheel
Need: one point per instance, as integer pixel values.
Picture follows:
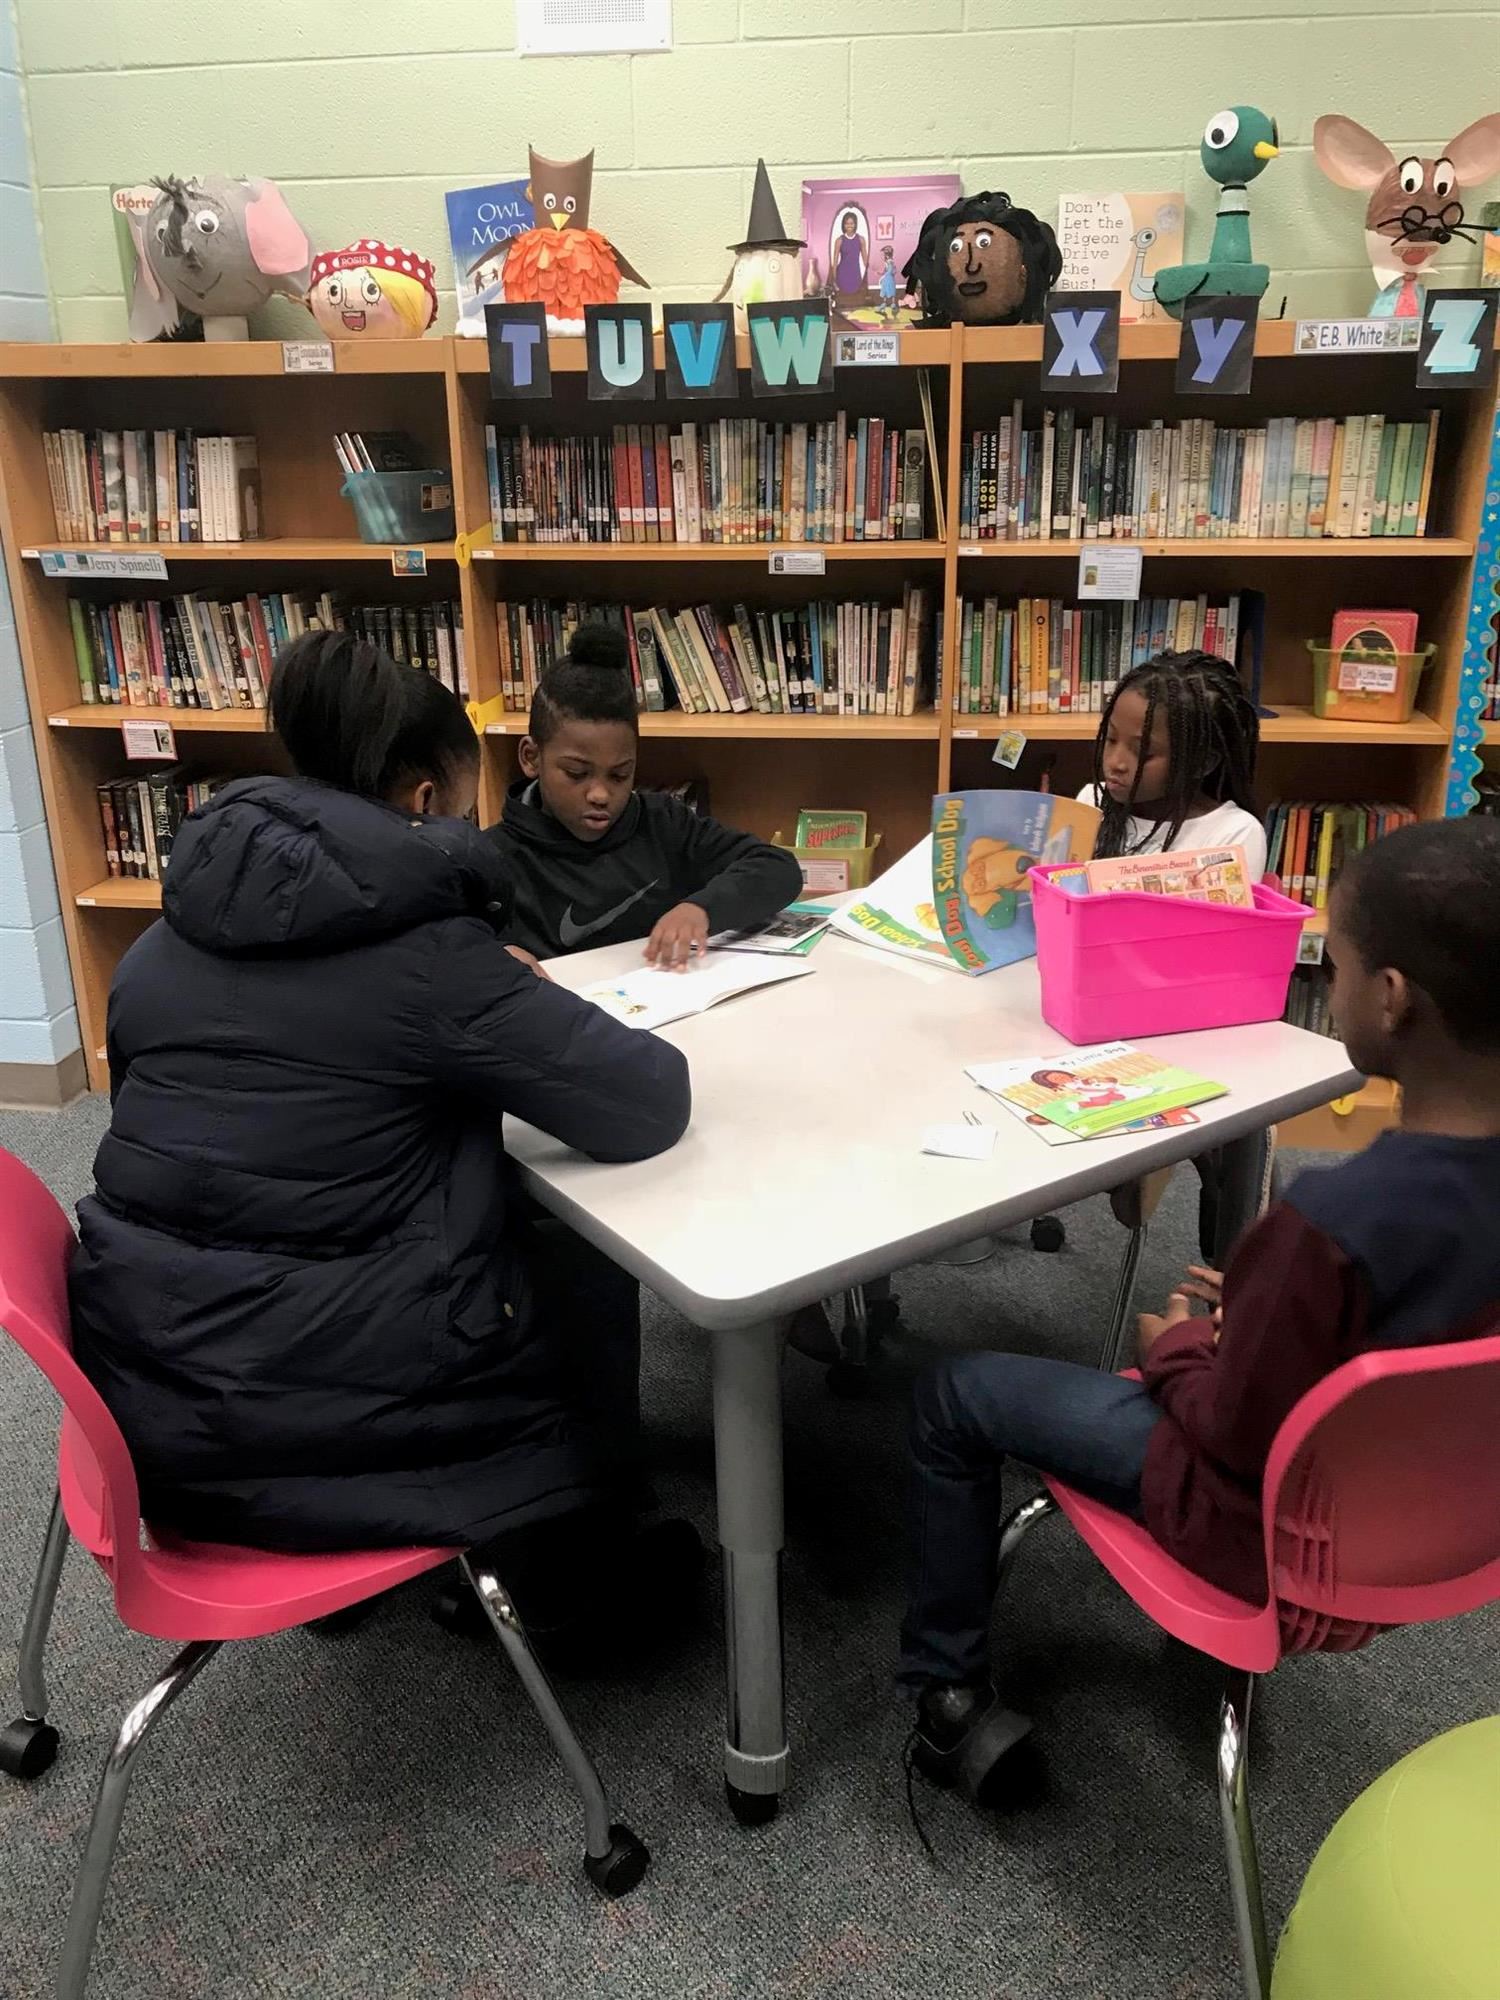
(27, 1748)
(848, 1379)
(751, 1808)
(1047, 1233)
(616, 1872)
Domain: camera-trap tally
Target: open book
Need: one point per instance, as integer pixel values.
(650, 998)
(791, 934)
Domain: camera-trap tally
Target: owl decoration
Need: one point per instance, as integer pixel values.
(561, 263)
(372, 291)
(766, 265)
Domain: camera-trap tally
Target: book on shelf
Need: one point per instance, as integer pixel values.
(203, 652)
(728, 480)
(1071, 475)
(851, 658)
(1307, 1001)
(139, 818)
(153, 486)
(1307, 844)
(1045, 657)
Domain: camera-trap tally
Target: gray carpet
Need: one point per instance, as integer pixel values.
(377, 1817)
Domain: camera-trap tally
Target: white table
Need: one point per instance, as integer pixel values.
(801, 1175)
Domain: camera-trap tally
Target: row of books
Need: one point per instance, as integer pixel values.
(728, 480)
(1074, 476)
(153, 486)
(825, 658)
(1045, 657)
(1308, 844)
(1307, 1001)
(139, 818)
(195, 651)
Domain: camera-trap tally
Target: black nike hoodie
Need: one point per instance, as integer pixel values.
(571, 894)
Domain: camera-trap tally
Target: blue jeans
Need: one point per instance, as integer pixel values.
(969, 1414)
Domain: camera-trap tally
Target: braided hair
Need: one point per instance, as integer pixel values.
(1213, 731)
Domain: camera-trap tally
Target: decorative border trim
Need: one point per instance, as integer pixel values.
(1484, 610)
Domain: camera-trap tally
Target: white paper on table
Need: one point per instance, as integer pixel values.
(959, 1142)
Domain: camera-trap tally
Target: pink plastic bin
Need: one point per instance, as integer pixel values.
(1127, 965)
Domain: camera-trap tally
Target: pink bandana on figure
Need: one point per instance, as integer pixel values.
(372, 289)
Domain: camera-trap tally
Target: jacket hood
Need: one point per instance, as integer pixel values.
(283, 864)
(528, 819)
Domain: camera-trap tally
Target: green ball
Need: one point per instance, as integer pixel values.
(1400, 1901)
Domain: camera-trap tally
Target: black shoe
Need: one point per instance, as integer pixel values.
(963, 1735)
(809, 1332)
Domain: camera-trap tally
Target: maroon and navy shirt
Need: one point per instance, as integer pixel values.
(1397, 1247)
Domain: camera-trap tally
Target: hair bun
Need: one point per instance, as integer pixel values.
(600, 645)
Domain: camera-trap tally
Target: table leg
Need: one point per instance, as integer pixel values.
(747, 1451)
(1244, 1191)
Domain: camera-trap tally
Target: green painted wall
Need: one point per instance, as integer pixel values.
(365, 110)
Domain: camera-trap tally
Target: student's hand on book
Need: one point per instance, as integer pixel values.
(526, 958)
(1149, 1327)
(679, 937)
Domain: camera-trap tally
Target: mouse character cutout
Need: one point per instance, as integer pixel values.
(985, 262)
(373, 291)
(213, 249)
(562, 263)
(1414, 205)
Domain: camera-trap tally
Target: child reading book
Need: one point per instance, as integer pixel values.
(592, 861)
(1395, 1247)
(304, 1285)
(1174, 761)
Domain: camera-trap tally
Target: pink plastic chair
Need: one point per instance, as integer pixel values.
(1381, 1505)
(201, 1593)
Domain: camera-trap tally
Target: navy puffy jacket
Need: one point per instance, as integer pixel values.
(302, 1285)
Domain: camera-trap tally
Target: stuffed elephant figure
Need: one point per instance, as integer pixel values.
(216, 248)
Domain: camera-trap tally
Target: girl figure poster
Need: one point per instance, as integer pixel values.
(856, 228)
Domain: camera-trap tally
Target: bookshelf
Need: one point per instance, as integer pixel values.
(760, 768)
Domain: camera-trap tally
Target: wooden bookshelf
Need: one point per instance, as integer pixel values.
(760, 768)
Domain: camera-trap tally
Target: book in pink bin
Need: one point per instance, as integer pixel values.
(858, 234)
(1194, 874)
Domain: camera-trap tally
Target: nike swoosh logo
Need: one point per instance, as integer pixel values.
(572, 933)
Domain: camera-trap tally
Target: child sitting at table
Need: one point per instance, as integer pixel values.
(592, 861)
(1393, 1248)
(1174, 761)
(1174, 766)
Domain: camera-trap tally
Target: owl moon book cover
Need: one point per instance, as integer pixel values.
(1117, 243)
(481, 221)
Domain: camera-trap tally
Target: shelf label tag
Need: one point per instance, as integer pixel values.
(796, 562)
(970, 549)
(307, 357)
(112, 562)
(965, 734)
(1008, 747)
(867, 350)
(145, 742)
(1109, 569)
(1356, 336)
(408, 562)
(1356, 676)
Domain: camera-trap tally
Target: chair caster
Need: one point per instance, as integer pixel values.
(1047, 1233)
(27, 1748)
(616, 1872)
(848, 1379)
(460, 1612)
(751, 1808)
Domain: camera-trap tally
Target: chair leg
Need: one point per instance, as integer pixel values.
(1239, 1834)
(854, 1340)
(614, 1859)
(1119, 1314)
(28, 1745)
(109, 1808)
(1017, 1528)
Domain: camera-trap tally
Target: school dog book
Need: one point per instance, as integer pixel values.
(984, 845)
(652, 998)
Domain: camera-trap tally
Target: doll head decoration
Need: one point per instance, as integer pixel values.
(216, 248)
(561, 263)
(372, 291)
(1415, 204)
(766, 265)
(984, 262)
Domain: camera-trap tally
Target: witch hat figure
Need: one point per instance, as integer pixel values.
(766, 264)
